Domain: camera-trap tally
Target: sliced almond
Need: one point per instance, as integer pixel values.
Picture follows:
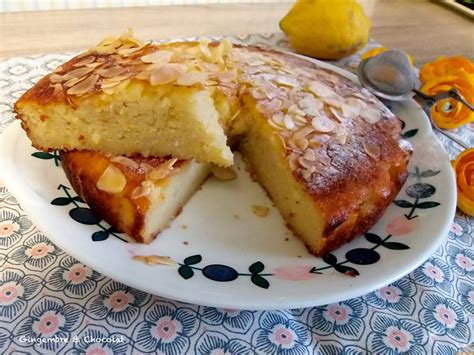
(112, 72)
(308, 172)
(191, 78)
(125, 161)
(77, 73)
(167, 73)
(58, 90)
(153, 260)
(227, 76)
(56, 78)
(140, 191)
(217, 53)
(163, 170)
(288, 122)
(160, 57)
(73, 81)
(300, 143)
(285, 80)
(303, 132)
(269, 106)
(323, 124)
(112, 180)
(84, 86)
(204, 48)
(223, 173)
(227, 45)
(309, 155)
(372, 150)
(320, 89)
(371, 114)
(84, 61)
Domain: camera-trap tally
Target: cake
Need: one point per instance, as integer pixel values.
(136, 195)
(328, 153)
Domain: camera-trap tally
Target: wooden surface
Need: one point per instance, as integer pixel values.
(422, 28)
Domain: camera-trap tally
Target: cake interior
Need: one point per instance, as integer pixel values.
(166, 120)
(168, 198)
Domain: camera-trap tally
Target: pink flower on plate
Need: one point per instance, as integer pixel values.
(400, 225)
(294, 272)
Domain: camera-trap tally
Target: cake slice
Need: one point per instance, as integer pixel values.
(138, 196)
(123, 98)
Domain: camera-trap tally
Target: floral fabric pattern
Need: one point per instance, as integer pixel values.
(47, 294)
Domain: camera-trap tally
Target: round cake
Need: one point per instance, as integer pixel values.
(329, 154)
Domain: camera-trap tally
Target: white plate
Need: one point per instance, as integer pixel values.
(259, 263)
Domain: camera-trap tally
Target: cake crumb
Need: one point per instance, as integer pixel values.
(153, 260)
(287, 239)
(222, 173)
(299, 256)
(185, 243)
(260, 211)
(184, 226)
(236, 216)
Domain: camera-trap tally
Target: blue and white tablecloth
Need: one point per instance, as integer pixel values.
(47, 294)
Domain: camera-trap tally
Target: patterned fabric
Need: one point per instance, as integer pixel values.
(46, 294)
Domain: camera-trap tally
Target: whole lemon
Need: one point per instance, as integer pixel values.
(326, 29)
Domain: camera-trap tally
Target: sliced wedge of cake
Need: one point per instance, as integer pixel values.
(137, 195)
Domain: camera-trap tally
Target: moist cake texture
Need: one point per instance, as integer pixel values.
(328, 152)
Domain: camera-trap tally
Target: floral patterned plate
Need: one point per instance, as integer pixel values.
(229, 257)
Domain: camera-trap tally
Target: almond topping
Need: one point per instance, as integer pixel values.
(260, 211)
(371, 114)
(161, 57)
(191, 78)
(372, 150)
(320, 89)
(323, 124)
(167, 73)
(140, 191)
(84, 62)
(309, 155)
(288, 122)
(269, 107)
(112, 180)
(222, 173)
(163, 170)
(112, 72)
(56, 78)
(125, 161)
(73, 81)
(227, 76)
(58, 90)
(307, 173)
(84, 86)
(303, 132)
(77, 73)
(153, 260)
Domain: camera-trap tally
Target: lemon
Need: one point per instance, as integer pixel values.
(326, 29)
